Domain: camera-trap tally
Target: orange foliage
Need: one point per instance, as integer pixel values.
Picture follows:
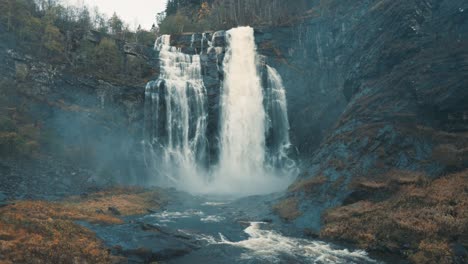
(45, 232)
(308, 185)
(288, 209)
(425, 218)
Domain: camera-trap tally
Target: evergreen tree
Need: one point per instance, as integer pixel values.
(116, 24)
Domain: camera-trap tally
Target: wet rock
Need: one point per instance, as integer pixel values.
(172, 253)
(114, 210)
(148, 227)
(459, 251)
(4, 204)
(244, 223)
(144, 255)
(151, 211)
(3, 197)
(389, 120)
(310, 233)
(219, 38)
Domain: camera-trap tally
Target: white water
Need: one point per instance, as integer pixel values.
(243, 121)
(219, 230)
(249, 114)
(278, 122)
(270, 246)
(186, 113)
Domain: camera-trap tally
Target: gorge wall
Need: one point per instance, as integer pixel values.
(62, 132)
(372, 87)
(377, 96)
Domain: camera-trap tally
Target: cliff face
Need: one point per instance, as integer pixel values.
(83, 129)
(373, 87)
(402, 69)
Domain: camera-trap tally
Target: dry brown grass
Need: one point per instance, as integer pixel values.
(32, 240)
(391, 180)
(45, 232)
(308, 185)
(449, 155)
(424, 217)
(129, 201)
(288, 209)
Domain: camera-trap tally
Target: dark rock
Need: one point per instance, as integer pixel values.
(149, 227)
(105, 116)
(459, 250)
(151, 211)
(143, 254)
(4, 204)
(117, 250)
(219, 38)
(114, 210)
(244, 223)
(311, 233)
(3, 197)
(172, 253)
(94, 36)
(392, 112)
(100, 211)
(6, 237)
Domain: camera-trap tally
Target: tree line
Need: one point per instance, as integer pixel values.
(204, 15)
(80, 37)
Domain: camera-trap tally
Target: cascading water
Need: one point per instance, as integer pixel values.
(253, 131)
(182, 95)
(243, 116)
(278, 122)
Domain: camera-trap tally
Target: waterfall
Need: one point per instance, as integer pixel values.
(182, 95)
(276, 104)
(253, 128)
(243, 117)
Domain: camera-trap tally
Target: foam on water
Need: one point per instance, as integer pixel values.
(270, 246)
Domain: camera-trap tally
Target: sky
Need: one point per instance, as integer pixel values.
(133, 12)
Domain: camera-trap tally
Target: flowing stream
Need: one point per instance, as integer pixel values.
(209, 229)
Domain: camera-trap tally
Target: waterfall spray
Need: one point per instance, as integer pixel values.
(176, 105)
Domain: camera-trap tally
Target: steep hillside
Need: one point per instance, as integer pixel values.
(62, 132)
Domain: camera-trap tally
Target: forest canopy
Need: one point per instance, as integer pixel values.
(205, 15)
(80, 37)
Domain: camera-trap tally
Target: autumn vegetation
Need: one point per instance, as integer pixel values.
(79, 38)
(421, 219)
(46, 232)
(287, 209)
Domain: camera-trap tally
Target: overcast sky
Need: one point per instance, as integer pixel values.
(133, 12)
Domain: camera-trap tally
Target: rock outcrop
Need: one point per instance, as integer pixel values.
(88, 129)
(401, 67)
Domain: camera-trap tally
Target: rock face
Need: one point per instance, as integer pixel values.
(402, 68)
(92, 128)
(372, 87)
